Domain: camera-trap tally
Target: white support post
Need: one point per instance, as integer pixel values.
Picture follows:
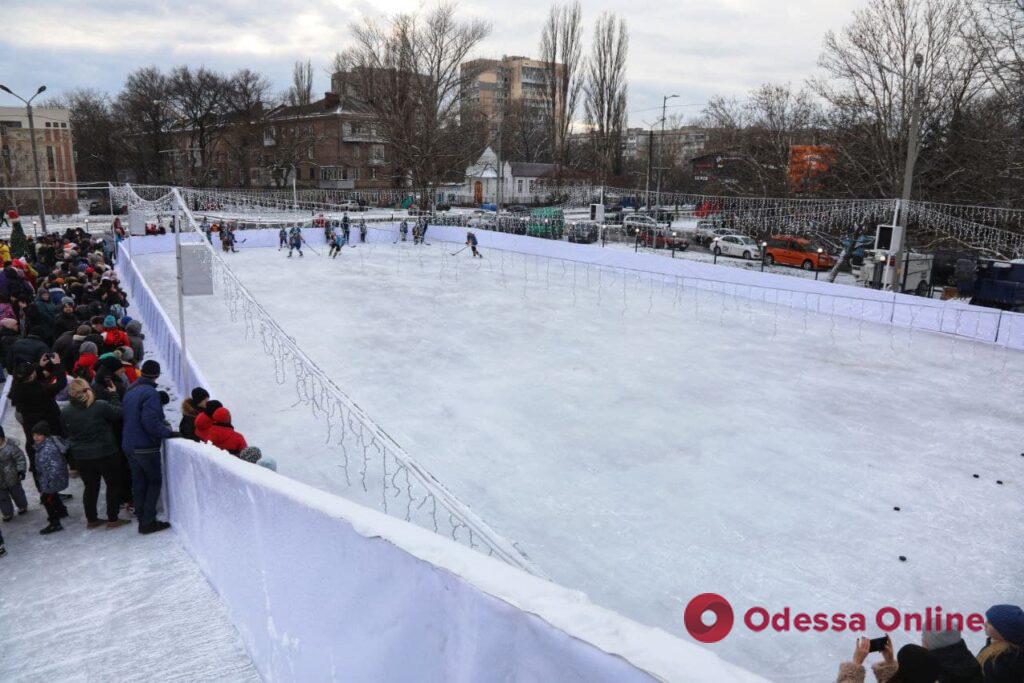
(186, 379)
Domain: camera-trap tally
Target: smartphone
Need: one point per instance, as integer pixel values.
(878, 644)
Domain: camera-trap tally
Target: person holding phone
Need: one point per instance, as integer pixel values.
(853, 670)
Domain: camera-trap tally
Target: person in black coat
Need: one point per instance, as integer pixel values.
(66, 320)
(950, 650)
(28, 349)
(32, 395)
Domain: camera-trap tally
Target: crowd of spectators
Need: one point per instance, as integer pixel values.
(84, 393)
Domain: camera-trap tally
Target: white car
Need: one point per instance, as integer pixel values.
(350, 205)
(735, 245)
(634, 224)
(480, 219)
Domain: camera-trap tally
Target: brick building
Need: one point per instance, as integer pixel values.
(55, 148)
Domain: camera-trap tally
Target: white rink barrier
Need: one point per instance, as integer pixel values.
(322, 588)
(977, 323)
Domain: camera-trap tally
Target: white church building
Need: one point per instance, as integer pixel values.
(520, 180)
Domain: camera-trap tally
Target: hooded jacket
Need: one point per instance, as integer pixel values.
(12, 464)
(223, 435)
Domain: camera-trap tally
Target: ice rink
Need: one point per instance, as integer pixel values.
(645, 443)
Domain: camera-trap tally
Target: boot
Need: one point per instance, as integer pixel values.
(94, 524)
(51, 528)
(114, 524)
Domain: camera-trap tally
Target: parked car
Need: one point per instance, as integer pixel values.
(480, 219)
(736, 245)
(518, 210)
(708, 229)
(99, 208)
(583, 232)
(634, 223)
(417, 211)
(1000, 284)
(663, 238)
(351, 205)
(789, 250)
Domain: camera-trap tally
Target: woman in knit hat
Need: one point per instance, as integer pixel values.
(1002, 658)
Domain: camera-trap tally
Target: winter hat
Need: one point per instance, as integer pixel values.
(1008, 620)
(917, 665)
(110, 321)
(83, 330)
(151, 369)
(127, 354)
(117, 310)
(88, 347)
(109, 362)
(135, 327)
(199, 395)
(211, 407)
(41, 428)
(222, 416)
(250, 454)
(935, 640)
(67, 301)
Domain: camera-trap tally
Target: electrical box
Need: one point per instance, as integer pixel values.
(597, 213)
(888, 236)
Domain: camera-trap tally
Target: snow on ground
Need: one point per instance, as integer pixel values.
(107, 605)
(646, 444)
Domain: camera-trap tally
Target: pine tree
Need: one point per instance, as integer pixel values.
(19, 245)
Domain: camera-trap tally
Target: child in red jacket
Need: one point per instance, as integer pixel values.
(223, 435)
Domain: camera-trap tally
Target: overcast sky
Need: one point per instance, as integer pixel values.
(696, 49)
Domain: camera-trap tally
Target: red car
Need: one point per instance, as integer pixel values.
(662, 238)
(789, 250)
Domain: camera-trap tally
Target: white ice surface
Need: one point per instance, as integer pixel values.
(107, 605)
(646, 445)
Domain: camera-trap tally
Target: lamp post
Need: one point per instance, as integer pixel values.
(764, 251)
(661, 154)
(908, 175)
(35, 157)
(817, 267)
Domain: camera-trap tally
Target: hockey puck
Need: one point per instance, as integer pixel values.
(897, 508)
(999, 481)
(903, 558)
(976, 476)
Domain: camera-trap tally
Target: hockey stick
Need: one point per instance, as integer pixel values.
(311, 248)
(460, 250)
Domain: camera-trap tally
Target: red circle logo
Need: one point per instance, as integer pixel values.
(693, 617)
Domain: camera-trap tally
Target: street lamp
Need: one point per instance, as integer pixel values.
(35, 157)
(764, 251)
(661, 153)
(818, 267)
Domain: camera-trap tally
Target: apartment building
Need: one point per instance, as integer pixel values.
(494, 83)
(55, 149)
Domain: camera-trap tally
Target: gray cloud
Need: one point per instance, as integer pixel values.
(697, 49)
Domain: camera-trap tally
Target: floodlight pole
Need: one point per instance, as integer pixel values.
(899, 236)
(661, 153)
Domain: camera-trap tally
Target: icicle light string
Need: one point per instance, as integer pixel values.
(315, 389)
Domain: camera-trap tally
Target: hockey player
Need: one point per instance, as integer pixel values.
(337, 242)
(362, 229)
(423, 229)
(345, 229)
(403, 229)
(282, 238)
(471, 243)
(295, 241)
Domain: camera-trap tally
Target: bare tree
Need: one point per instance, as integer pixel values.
(561, 49)
(524, 135)
(143, 111)
(870, 68)
(407, 74)
(301, 90)
(199, 98)
(605, 93)
(246, 107)
(761, 131)
(100, 145)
